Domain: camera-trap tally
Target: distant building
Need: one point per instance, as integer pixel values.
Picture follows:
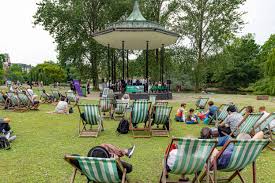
(25, 67)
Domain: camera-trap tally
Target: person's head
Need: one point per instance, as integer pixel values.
(262, 109)
(210, 103)
(231, 109)
(183, 105)
(191, 111)
(205, 133)
(249, 109)
(44, 91)
(62, 98)
(126, 96)
(98, 152)
(243, 136)
(6, 120)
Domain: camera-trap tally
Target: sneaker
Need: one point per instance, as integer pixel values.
(12, 138)
(131, 151)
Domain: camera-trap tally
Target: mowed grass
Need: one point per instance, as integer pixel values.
(43, 139)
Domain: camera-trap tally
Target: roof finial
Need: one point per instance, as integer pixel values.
(136, 14)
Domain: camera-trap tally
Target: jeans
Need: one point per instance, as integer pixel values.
(224, 129)
(179, 119)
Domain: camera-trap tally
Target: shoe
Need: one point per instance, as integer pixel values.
(131, 151)
(12, 138)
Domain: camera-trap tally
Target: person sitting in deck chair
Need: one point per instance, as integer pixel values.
(224, 159)
(111, 151)
(231, 122)
(33, 98)
(248, 110)
(211, 110)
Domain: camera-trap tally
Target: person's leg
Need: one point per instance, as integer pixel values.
(223, 129)
(223, 140)
(113, 150)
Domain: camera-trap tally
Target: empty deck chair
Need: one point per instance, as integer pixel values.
(191, 157)
(160, 117)
(106, 105)
(201, 102)
(140, 115)
(119, 109)
(89, 116)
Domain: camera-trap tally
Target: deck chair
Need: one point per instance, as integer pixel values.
(201, 103)
(244, 153)
(266, 128)
(192, 155)
(24, 102)
(119, 109)
(106, 105)
(97, 170)
(89, 116)
(71, 97)
(242, 111)
(56, 95)
(140, 115)
(161, 103)
(248, 123)
(220, 115)
(2, 100)
(160, 116)
(44, 98)
(152, 99)
(13, 101)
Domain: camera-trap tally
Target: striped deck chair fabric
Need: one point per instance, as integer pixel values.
(23, 99)
(120, 106)
(247, 125)
(99, 169)
(92, 115)
(242, 111)
(56, 94)
(152, 99)
(201, 102)
(162, 114)
(192, 155)
(105, 104)
(264, 124)
(222, 113)
(140, 110)
(13, 98)
(71, 96)
(245, 152)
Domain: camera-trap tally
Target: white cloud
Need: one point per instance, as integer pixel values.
(32, 45)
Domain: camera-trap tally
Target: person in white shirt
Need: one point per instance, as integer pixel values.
(62, 106)
(265, 114)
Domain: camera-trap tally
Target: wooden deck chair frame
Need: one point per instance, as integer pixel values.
(68, 158)
(24, 102)
(108, 109)
(157, 132)
(121, 113)
(243, 127)
(213, 165)
(220, 115)
(198, 103)
(165, 174)
(242, 111)
(265, 124)
(83, 131)
(161, 103)
(146, 128)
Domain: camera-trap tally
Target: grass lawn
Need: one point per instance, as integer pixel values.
(43, 139)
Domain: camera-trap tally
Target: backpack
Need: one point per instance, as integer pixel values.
(4, 143)
(123, 126)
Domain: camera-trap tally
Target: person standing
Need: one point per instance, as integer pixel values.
(88, 87)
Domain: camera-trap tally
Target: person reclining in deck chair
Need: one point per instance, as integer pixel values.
(248, 110)
(264, 116)
(231, 122)
(32, 97)
(5, 129)
(224, 159)
(110, 151)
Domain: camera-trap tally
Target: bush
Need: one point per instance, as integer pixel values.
(264, 86)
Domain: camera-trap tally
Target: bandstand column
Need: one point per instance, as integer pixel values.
(147, 64)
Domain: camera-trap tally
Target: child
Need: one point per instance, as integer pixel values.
(180, 117)
(6, 129)
(191, 118)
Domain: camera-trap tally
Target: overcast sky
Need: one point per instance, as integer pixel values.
(32, 45)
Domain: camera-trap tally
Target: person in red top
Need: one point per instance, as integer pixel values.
(180, 116)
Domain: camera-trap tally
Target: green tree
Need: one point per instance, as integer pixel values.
(48, 72)
(270, 64)
(208, 25)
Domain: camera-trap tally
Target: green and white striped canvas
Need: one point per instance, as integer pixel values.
(103, 170)
(140, 111)
(244, 153)
(249, 123)
(162, 114)
(55, 94)
(243, 110)
(24, 101)
(13, 98)
(201, 102)
(222, 114)
(120, 106)
(105, 104)
(267, 121)
(192, 155)
(152, 99)
(92, 115)
(71, 96)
